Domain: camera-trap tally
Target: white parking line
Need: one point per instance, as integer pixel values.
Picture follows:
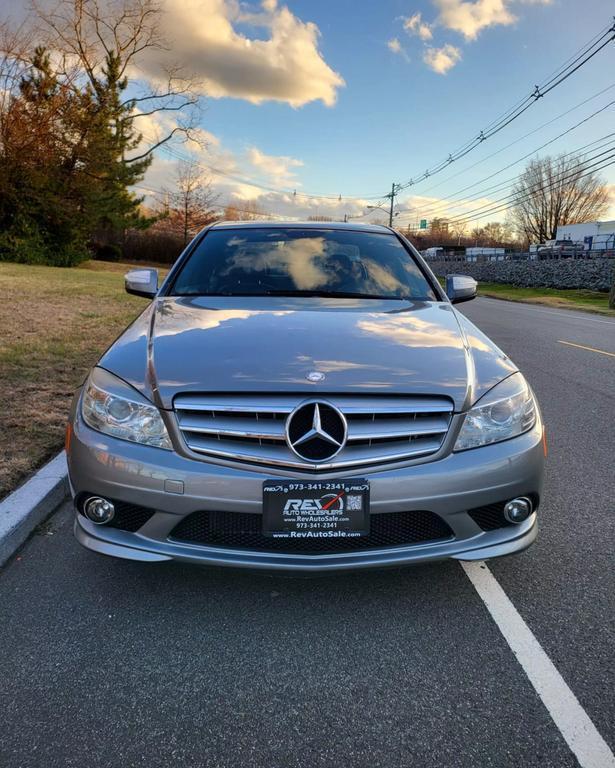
(572, 721)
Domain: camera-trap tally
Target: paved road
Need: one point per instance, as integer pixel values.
(111, 663)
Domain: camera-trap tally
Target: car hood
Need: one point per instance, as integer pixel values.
(263, 344)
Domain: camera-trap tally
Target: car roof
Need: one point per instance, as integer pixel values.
(268, 224)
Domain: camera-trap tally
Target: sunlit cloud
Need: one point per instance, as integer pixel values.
(443, 59)
(414, 25)
(469, 18)
(228, 51)
(395, 46)
(250, 176)
(277, 168)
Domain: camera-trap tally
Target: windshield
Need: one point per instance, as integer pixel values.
(302, 262)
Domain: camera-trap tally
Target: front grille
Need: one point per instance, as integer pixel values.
(127, 517)
(252, 428)
(242, 530)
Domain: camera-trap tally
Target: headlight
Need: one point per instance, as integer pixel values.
(508, 410)
(109, 405)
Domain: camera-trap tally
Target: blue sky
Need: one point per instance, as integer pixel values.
(344, 97)
(395, 116)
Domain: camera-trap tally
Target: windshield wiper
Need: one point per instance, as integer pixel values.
(298, 292)
(333, 294)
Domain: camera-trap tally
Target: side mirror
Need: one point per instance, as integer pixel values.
(460, 288)
(142, 282)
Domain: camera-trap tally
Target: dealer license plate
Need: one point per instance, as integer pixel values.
(315, 510)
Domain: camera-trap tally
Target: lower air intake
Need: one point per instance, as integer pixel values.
(490, 517)
(241, 530)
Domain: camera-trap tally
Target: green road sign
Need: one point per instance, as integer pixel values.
(423, 224)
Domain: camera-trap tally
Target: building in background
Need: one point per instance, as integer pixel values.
(593, 235)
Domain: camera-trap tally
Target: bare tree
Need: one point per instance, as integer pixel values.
(458, 229)
(192, 205)
(439, 227)
(493, 234)
(85, 35)
(554, 191)
(245, 210)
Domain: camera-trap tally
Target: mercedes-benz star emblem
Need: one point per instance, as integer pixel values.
(315, 376)
(316, 431)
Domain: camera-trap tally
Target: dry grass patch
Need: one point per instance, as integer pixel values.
(54, 324)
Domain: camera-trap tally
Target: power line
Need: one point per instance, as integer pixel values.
(498, 206)
(176, 154)
(571, 65)
(442, 209)
(453, 195)
(521, 138)
(585, 54)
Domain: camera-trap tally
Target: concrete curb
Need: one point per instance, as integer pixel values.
(30, 504)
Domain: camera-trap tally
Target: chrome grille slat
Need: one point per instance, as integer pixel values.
(267, 429)
(401, 409)
(251, 428)
(384, 429)
(236, 403)
(279, 456)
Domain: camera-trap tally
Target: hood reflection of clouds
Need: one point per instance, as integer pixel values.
(184, 318)
(413, 333)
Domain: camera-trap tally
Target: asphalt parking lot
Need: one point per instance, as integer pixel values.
(112, 663)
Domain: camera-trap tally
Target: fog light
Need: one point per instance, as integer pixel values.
(518, 510)
(99, 511)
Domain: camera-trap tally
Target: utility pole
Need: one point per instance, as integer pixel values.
(186, 203)
(392, 196)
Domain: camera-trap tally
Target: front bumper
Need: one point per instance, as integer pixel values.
(448, 487)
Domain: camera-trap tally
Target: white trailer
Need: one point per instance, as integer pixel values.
(488, 254)
(592, 235)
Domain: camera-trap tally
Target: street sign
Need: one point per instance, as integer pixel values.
(423, 224)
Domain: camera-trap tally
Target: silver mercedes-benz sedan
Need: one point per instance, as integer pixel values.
(304, 396)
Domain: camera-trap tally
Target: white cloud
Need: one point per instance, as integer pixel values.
(397, 48)
(469, 18)
(442, 59)
(254, 164)
(237, 178)
(285, 64)
(414, 25)
(276, 168)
